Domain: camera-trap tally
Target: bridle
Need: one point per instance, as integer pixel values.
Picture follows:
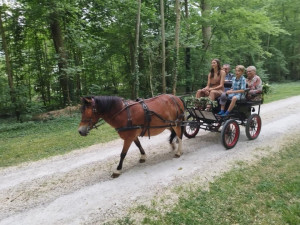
(90, 121)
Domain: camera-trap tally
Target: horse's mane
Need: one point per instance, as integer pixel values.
(104, 104)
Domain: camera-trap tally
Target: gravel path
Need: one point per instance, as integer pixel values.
(76, 188)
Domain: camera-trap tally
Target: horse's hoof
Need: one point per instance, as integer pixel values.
(115, 175)
(176, 156)
(142, 160)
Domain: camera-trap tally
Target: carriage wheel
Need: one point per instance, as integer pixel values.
(253, 126)
(191, 129)
(230, 133)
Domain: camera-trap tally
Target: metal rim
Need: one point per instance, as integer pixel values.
(253, 126)
(192, 129)
(230, 134)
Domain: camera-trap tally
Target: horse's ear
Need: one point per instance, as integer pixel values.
(85, 100)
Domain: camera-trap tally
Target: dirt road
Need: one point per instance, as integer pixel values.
(77, 188)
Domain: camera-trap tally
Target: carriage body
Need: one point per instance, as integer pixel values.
(246, 114)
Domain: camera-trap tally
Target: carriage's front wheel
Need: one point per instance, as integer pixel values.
(253, 126)
(192, 127)
(230, 133)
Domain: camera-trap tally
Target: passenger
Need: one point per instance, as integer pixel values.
(215, 83)
(235, 93)
(228, 77)
(254, 84)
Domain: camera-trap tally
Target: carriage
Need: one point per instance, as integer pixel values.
(149, 117)
(246, 113)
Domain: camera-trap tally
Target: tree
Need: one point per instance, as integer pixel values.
(136, 55)
(163, 46)
(206, 28)
(177, 32)
(9, 70)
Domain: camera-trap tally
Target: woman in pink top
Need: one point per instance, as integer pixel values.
(215, 82)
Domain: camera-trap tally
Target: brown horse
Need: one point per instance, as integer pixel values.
(135, 118)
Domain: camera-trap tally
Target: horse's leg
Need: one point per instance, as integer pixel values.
(172, 136)
(179, 133)
(143, 154)
(126, 146)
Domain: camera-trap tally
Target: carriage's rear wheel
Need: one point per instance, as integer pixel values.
(230, 133)
(253, 126)
(192, 127)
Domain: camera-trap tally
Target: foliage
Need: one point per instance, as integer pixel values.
(201, 102)
(266, 88)
(97, 38)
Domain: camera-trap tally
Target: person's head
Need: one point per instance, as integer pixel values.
(226, 68)
(251, 72)
(215, 66)
(239, 70)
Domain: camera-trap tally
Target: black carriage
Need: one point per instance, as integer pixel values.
(246, 113)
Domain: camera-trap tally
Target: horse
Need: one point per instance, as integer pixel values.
(132, 119)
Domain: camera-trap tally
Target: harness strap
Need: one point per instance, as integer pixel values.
(148, 115)
(129, 119)
(147, 118)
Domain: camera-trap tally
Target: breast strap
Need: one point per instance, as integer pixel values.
(148, 115)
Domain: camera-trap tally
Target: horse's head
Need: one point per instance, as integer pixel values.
(89, 116)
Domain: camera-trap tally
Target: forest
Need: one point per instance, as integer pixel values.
(53, 52)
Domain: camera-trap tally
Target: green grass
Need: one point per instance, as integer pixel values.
(267, 193)
(282, 91)
(31, 141)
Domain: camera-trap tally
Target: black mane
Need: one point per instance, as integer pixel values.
(105, 104)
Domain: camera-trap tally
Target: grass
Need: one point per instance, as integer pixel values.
(282, 90)
(267, 193)
(31, 141)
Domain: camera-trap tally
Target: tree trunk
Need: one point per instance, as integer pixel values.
(78, 63)
(206, 28)
(136, 54)
(163, 56)
(150, 75)
(187, 53)
(9, 70)
(58, 40)
(177, 32)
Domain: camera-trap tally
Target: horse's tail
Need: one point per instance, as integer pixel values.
(172, 136)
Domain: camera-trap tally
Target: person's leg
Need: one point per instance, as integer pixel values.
(213, 95)
(223, 100)
(232, 104)
(201, 93)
